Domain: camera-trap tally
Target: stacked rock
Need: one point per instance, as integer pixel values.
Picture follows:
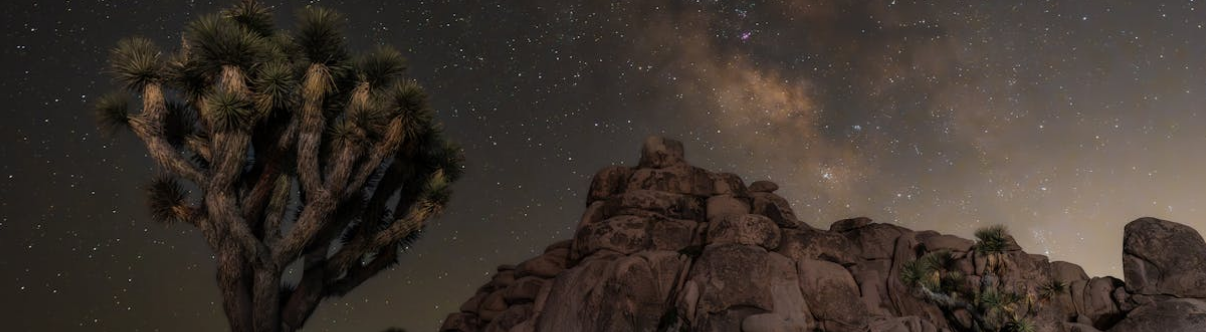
(666, 246)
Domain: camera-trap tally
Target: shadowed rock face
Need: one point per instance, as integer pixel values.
(666, 246)
(1164, 258)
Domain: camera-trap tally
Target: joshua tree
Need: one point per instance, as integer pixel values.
(261, 122)
(992, 242)
(992, 305)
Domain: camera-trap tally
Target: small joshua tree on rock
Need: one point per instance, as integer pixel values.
(301, 153)
(992, 304)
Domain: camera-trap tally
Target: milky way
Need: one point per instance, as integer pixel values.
(1061, 120)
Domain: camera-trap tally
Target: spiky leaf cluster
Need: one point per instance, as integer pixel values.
(168, 200)
(320, 36)
(113, 112)
(278, 85)
(934, 271)
(381, 66)
(219, 41)
(1052, 288)
(136, 62)
(254, 16)
(992, 239)
(228, 111)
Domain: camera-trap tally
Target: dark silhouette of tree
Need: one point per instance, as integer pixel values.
(302, 153)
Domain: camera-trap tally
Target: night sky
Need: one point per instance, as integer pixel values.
(1061, 120)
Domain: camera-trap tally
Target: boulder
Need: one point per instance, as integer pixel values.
(763, 186)
(790, 311)
(1028, 268)
(631, 289)
(732, 282)
(1094, 300)
(1174, 315)
(460, 322)
(1067, 272)
(747, 229)
(844, 225)
(493, 305)
(608, 182)
(1163, 257)
(474, 302)
(544, 266)
(1124, 300)
(542, 296)
(800, 244)
(623, 234)
(776, 208)
(875, 241)
(728, 184)
(524, 290)
(833, 296)
(502, 279)
(595, 212)
(563, 244)
(510, 318)
(672, 234)
(872, 278)
(935, 242)
(724, 205)
(680, 179)
(660, 152)
(655, 203)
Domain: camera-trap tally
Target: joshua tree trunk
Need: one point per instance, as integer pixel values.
(266, 298)
(236, 298)
(263, 122)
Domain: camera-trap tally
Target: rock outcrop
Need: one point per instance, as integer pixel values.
(1164, 258)
(666, 246)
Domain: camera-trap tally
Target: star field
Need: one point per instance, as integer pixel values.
(1061, 119)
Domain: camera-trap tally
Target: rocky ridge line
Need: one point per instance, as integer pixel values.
(666, 246)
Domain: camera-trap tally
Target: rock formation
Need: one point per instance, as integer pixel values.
(666, 246)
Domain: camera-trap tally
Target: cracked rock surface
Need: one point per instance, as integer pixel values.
(666, 246)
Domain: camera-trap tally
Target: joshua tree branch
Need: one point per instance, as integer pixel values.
(314, 90)
(374, 211)
(314, 218)
(358, 274)
(276, 210)
(385, 148)
(268, 181)
(341, 169)
(309, 291)
(352, 252)
(307, 226)
(221, 204)
(149, 127)
(199, 146)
